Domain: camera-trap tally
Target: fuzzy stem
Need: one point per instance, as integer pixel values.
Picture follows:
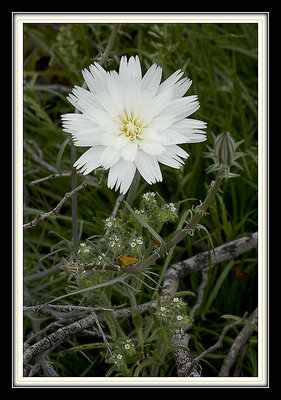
(74, 212)
(133, 189)
(109, 44)
(183, 232)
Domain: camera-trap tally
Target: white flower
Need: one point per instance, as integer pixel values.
(132, 122)
(179, 317)
(175, 299)
(119, 356)
(139, 241)
(172, 207)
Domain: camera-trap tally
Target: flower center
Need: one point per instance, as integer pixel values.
(131, 127)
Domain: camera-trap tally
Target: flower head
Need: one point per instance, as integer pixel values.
(132, 122)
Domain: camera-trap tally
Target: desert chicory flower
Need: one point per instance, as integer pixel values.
(132, 122)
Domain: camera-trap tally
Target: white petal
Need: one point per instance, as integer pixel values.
(129, 151)
(171, 136)
(161, 122)
(189, 125)
(99, 77)
(121, 175)
(177, 150)
(170, 82)
(151, 147)
(109, 156)
(134, 68)
(123, 67)
(181, 87)
(86, 97)
(166, 159)
(90, 160)
(89, 79)
(130, 69)
(183, 107)
(148, 167)
(151, 80)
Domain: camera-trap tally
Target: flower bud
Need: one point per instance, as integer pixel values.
(224, 148)
(224, 154)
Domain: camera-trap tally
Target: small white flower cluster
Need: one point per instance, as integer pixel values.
(137, 241)
(149, 196)
(114, 242)
(174, 312)
(172, 207)
(84, 248)
(109, 222)
(101, 259)
(122, 350)
(128, 344)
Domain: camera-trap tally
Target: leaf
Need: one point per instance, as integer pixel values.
(87, 346)
(110, 323)
(120, 278)
(218, 285)
(246, 322)
(60, 153)
(143, 365)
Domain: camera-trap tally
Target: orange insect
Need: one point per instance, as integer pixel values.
(125, 261)
(240, 274)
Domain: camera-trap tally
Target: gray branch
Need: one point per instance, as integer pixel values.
(56, 210)
(200, 261)
(240, 341)
(170, 285)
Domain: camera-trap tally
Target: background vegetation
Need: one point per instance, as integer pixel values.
(221, 60)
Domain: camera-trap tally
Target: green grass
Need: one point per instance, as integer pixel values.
(221, 60)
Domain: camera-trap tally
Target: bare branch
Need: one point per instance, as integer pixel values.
(238, 344)
(56, 210)
(200, 261)
(215, 346)
(38, 157)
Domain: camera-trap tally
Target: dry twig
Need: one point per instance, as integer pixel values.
(56, 210)
(241, 340)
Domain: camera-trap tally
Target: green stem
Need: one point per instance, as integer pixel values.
(109, 44)
(133, 189)
(183, 232)
(74, 212)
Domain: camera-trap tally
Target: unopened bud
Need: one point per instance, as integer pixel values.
(224, 154)
(224, 147)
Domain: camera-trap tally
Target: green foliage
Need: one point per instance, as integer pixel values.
(221, 60)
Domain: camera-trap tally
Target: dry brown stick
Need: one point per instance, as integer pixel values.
(241, 339)
(56, 210)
